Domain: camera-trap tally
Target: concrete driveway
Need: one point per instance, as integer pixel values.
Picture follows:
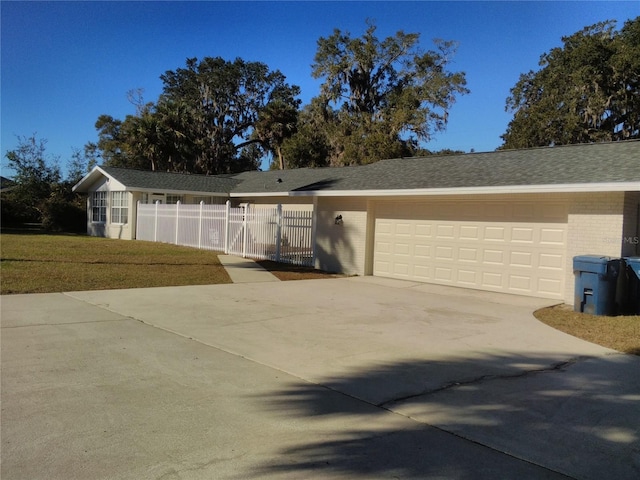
(343, 378)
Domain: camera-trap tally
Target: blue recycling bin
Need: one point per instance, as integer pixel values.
(631, 294)
(596, 279)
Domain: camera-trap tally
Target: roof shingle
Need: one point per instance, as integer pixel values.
(561, 165)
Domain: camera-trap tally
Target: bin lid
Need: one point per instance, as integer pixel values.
(595, 259)
(599, 264)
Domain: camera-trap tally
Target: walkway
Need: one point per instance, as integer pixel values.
(245, 270)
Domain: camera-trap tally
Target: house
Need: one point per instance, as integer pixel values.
(6, 184)
(506, 221)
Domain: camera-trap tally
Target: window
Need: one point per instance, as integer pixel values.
(173, 199)
(205, 200)
(150, 198)
(99, 207)
(119, 207)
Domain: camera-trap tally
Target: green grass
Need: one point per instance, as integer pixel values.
(42, 263)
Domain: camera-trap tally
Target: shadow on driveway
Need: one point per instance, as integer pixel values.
(578, 417)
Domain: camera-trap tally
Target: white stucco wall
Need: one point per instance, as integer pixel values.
(596, 223)
(341, 248)
(108, 229)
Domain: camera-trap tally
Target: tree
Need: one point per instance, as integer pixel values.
(110, 145)
(225, 100)
(384, 97)
(80, 164)
(586, 91)
(35, 177)
(206, 120)
(276, 122)
(40, 195)
(309, 146)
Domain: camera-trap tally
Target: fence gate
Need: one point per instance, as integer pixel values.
(277, 234)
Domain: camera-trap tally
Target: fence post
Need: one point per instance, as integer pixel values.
(155, 223)
(200, 226)
(226, 226)
(314, 229)
(137, 218)
(244, 230)
(278, 231)
(177, 220)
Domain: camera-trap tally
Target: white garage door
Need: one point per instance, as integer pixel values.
(505, 246)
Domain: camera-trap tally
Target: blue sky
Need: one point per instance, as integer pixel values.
(65, 63)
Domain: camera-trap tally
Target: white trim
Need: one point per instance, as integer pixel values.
(97, 170)
(560, 188)
(165, 191)
(263, 194)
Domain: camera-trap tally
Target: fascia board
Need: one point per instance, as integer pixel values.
(262, 194)
(198, 193)
(90, 178)
(563, 188)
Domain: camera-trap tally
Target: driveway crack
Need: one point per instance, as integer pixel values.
(555, 367)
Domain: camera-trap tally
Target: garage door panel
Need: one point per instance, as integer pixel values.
(469, 233)
(423, 272)
(492, 279)
(424, 230)
(400, 268)
(468, 277)
(445, 232)
(551, 260)
(444, 253)
(401, 248)
(552, 236)
(518, 248)
(443, 274)
(520, 283)
(522, 234)
(383, 247)
(466, 254)
(495, 234)
(521, 259)
(492, 256)
(403, 229)
(422, 250)
(382, 268)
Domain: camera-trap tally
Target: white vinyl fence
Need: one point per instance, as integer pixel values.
(275, 234)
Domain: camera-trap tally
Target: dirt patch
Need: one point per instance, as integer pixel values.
(286, 272)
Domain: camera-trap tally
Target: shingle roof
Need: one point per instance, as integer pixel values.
(572, 164)
(163, 181)
(601, 163)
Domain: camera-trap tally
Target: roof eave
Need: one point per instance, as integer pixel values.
(87, 179)
(260, 194)
(558, 188)
(199, 193)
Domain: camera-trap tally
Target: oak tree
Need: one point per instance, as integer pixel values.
(588, 90)
(384, 97)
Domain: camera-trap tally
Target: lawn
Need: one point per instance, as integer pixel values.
(41, 263)
(620, 333)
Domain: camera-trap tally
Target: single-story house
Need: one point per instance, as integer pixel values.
(507, 221)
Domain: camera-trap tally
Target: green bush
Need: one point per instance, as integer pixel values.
(62, 215)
